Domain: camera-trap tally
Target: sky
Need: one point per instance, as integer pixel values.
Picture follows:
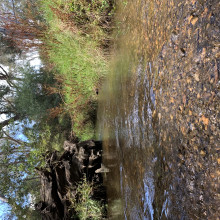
(4, 210)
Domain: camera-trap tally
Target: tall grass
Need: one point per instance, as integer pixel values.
(72, 41)
(82, 202)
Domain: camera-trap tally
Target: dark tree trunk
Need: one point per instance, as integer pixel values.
(66, 171)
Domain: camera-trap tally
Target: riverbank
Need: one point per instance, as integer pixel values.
(76, 39)
(60, 58)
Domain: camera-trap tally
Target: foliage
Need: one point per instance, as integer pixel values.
(74, 50)
(18, 177)
(21, 23)
(24, 142)
(91, 18)
(31, 99)
(83, 204)
(8, 51)
(17, 181)
(45, 105)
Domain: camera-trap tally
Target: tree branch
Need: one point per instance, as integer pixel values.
(13, 139)
(3, 199)
(5, 72)
(7, 122)
(13, 4)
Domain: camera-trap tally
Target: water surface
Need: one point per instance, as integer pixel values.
(159, 111)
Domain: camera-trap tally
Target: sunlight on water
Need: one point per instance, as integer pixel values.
(159, 112)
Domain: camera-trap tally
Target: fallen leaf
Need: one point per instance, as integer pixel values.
(205, 120)
(218, 173)
(202, 153)
(184, 99)
(189, 32)
(159, 116)
(183, 130)
(194, 20)
(190, 18)
(188, 80)
(205, 12)
(203, 53)
(200, 165)
(196, 77)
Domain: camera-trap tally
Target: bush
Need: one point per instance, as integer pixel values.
(82, 202)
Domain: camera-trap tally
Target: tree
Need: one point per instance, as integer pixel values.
(20, 22)
(7, 91)
(23, 99)
(8, 52)
(19, 183)
(31, 98)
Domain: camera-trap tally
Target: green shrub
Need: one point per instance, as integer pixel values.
(82, 202)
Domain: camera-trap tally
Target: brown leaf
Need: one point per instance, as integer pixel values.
(194, 20)
(196, 77)
(203, 53)
(205, 120)
(202, 153)
(171, 100)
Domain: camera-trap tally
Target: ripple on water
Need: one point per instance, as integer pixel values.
(159, 112)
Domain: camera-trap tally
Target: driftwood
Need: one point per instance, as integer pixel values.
(65, 171)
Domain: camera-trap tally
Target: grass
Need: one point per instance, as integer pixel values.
(83, 204)
(76, 31)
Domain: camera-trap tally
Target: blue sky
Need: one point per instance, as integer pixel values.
(4, 209)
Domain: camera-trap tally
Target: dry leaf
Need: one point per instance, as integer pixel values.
(196, 77)
(203, 53)
(202, 152)
(194, 20)
(205, 120)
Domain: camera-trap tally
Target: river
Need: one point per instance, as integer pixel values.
(159, 114)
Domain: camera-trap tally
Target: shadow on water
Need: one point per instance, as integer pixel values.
(159, 111)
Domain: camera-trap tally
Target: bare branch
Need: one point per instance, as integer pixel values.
(13, 4)
(3, 199)
(7, 122)
(8, 137)
(5, 72)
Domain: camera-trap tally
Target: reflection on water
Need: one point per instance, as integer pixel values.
(159, 111)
